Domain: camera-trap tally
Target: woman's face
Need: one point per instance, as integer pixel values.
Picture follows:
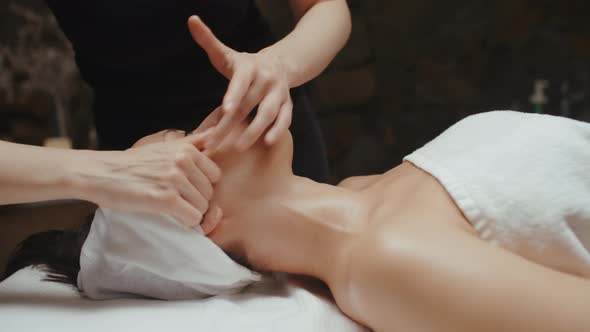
(248, 180)
(247, 190)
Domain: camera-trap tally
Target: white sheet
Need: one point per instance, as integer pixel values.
(29, 304)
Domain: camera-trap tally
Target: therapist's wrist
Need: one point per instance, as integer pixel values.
(289, 69)
(79, 179)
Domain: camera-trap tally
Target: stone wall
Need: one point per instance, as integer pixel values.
(41, 92)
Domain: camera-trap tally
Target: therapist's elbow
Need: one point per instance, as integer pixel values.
(345, 22)
(338, 8)
(347, 26)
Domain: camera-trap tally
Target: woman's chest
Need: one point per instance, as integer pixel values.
(407, 194)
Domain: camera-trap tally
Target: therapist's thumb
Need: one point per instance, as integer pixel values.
(198, 139)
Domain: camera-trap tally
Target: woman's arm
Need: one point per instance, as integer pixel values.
(443, 279)
(263, 79)
(166, 178)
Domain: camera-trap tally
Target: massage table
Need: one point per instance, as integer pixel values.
(27, 303)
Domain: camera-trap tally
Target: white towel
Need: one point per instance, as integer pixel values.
(129, 254)
(522, 180)
(29, 304)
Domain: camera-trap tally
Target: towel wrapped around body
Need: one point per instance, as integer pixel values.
(523, 182)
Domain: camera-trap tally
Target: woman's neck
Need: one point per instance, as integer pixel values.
(305, 228)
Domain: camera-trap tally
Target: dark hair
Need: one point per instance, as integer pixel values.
(57, 252)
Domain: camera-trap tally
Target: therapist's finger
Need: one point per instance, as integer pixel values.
(209, 123)
(190, 152)
(230, 120)
(282, 123)
(211, 219)
(193, 194)
(238, 87)
(184, 212)
(207, 166)
(198, 139)
(227, 121)
(266, 115)
(219, 54)
(197, 179)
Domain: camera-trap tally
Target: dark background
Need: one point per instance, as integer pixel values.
(410, 70)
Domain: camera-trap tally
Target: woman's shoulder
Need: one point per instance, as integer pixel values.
(358, 183)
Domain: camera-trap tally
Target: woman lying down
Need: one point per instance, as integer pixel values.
(486, 228)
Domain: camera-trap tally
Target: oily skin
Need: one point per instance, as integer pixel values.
(395, 251)
(294, 225)
(282, 222)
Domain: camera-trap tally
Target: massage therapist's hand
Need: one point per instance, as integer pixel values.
(256, 79)
(155, 176)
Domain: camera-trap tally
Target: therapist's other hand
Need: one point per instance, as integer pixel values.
(256, 79)
(161, 177)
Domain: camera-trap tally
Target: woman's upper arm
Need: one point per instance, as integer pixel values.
(467, 284)
(444, 279)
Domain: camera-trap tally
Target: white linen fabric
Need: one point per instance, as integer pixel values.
(131, 254)
(29, 304)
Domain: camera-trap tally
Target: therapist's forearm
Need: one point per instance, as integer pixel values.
(31, 173)
(323, 29)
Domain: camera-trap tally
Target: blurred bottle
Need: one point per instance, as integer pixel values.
(539, 99)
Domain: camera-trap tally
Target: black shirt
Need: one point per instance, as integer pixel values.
(147, 72)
